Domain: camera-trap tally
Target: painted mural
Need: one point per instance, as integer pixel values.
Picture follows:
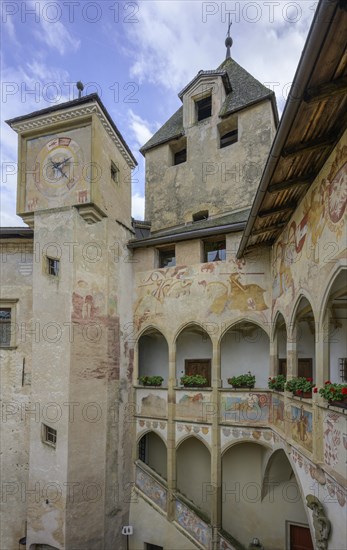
(155, 425)
(152, 403)
(151, 488)
(301, 427)
(193, 405)
(277, 412)
(209, 288)
(197, 528)
(184, 429)
(225, 545)
(245, 407)
(335, 441)
(315, 236)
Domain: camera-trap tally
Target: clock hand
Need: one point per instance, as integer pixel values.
(58, 164)
(62, 173)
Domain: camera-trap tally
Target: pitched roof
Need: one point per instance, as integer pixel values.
(246, 90)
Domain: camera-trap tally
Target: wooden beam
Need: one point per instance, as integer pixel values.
(269, 229)
(277, 210)
(294, 182)
(319, 143)
(326, 90)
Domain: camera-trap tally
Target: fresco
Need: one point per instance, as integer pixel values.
(245, 407)
(277, 412)
(208, 290)
(197, 528)
(225, 545)
(155, 425)
(335, 441)
(301, 427)
(314, 237)
(193, 405)
(151, 488)
(183, 429)
(152, 403)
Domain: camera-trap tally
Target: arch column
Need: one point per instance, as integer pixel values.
(136, 363)
(273, 356)
(292, 353)
(171, 433)
(216, 468)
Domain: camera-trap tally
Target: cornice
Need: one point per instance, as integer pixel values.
(72, 114)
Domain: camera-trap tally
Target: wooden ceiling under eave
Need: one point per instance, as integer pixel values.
(311, 127)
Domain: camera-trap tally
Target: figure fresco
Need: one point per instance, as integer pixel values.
(151, 488)
(301, 427)
(192, 405)
(153, 405)
(333, 440)
(193, 524)
(278, 412)
(253, 407)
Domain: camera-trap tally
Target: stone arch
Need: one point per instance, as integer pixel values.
(187, 325)
(267, 446)
(152, 450)
(242, 483)
(193, 472)
(245, 347)
(278, 313)
(292, 317)
(247, 319)
(196, 436)
(334, 274)
(153, 353)
(194, 351)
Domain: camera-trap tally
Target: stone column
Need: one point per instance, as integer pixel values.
(171, 433)
(216, 512)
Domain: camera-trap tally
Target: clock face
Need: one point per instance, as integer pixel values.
(59, 166)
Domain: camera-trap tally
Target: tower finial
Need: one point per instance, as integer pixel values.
(80, 88)
(228, 40)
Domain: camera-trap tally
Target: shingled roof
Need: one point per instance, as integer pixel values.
(246, 90)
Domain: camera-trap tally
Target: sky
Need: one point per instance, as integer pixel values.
(137, 56)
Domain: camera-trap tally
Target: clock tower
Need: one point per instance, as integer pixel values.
(74, 189)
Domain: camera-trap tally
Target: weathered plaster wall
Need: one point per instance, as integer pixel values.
(16, 265)
(165, 533)
(204, 182)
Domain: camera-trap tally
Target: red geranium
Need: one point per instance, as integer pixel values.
(344, 391)
(315, 390)
(327, 382)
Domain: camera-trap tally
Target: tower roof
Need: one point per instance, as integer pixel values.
(245, 90)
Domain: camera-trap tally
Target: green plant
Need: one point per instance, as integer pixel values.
(151, 380)
(194, 380)
(332, 392)
(277, 382)
(243, 380)
(300, 385)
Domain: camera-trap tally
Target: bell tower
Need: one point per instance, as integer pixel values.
(74, 189)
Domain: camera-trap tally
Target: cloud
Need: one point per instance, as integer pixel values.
(174, 40)
(138, 206)
(53, 32)
(140, 128)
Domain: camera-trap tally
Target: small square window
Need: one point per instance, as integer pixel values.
(53, 266)
(204, 108)
(150, 546)
(114, 172)
(200, 216)
(5, 326)
(229, 138)
(180, 156)
(49, 435)
(7, 323)
(167, 257)
(215, 250)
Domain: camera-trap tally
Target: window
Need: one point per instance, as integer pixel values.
(49, 435)
(198, 366)
(180, 156)
(143, 449)
(114, 172)
(228, 131)
(200, 216)
(229, 138)
(167, 257)
(203, 108)
(178, 148)
(343, 368)
(215, 250)
(53, 266)
(7, 323)
(150, 546)
(5, 326)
